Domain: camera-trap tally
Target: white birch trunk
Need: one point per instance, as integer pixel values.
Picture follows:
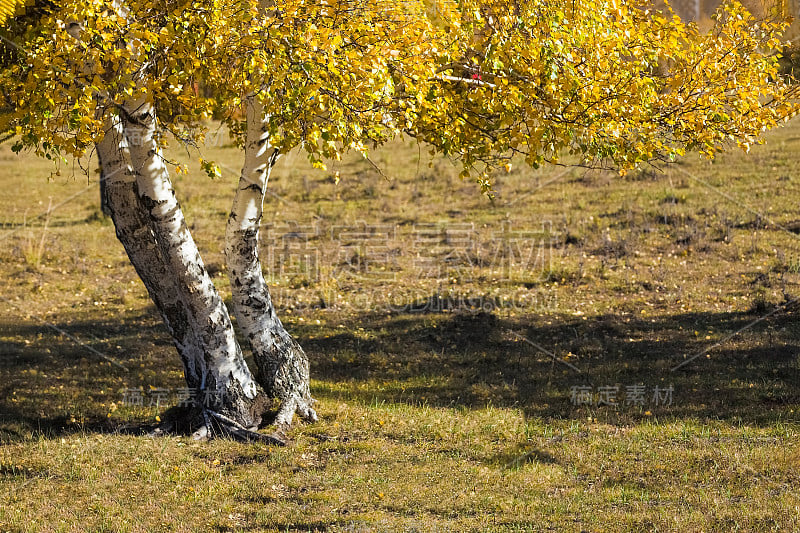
(133, 231)
(282, 364)
(226, 382)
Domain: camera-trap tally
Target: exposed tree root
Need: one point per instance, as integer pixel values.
(203, 424)
(237, 432)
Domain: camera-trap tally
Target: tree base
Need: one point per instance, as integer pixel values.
(283, 373)
(203, 424)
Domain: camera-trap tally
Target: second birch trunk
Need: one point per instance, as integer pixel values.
(282, 364)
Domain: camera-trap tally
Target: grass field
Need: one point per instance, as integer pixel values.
(480, 365)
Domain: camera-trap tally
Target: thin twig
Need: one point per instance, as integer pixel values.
(545, 351)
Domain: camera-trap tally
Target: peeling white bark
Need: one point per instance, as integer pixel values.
(224, 373)
(283, 366)
(133, 231)
(150, 225)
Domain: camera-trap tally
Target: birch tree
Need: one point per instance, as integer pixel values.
(487, 83)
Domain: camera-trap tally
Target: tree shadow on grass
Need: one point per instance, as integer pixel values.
(53, 384)
(567, 367)
(550, 367)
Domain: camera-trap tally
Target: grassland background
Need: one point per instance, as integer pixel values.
(435, 414)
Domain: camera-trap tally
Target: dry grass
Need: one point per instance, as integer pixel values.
(409, 294)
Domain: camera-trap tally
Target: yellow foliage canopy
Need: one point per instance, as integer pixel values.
(10, 8)
(613, 83)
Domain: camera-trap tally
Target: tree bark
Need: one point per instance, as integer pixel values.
(133, 231)
(229, 391)
(283, 366)
(104, 208)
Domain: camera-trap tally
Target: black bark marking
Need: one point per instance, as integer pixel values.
(133, 231)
